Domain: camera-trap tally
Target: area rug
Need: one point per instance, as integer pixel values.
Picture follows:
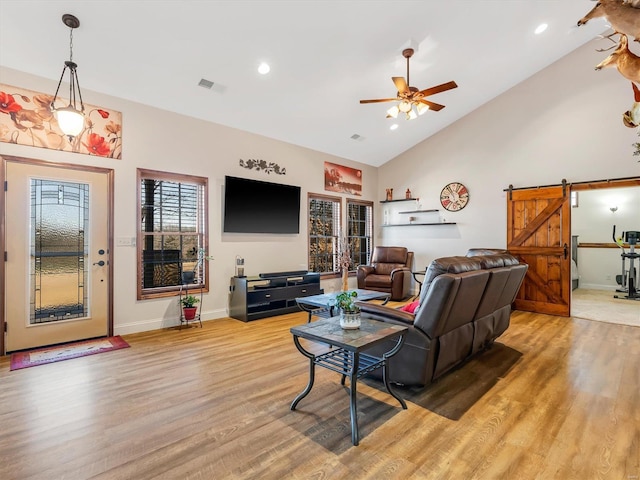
(42, 356)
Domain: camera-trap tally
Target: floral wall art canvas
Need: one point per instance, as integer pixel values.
(341, 179)
(26, 119)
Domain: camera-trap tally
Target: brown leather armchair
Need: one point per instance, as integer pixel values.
(390, 271)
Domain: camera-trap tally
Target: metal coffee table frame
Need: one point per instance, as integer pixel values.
(321, 305)
(346, 357)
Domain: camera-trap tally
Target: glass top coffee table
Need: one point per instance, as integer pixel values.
(346, 355)
(323, 305)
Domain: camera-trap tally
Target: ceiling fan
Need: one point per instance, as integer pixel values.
(410, 97)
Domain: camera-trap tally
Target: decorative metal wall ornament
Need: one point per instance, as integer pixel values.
(263, 166)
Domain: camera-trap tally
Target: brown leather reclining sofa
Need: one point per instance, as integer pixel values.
(465, 304)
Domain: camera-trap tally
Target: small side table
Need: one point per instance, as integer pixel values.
(346, 357)
(419, 272)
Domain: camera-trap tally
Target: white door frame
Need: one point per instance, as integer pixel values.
(110, 179)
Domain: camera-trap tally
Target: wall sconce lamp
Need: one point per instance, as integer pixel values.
(613, 209)
(70, 119)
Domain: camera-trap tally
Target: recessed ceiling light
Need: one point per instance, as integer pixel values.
(393, 127)
(264, 68)
(541, 28)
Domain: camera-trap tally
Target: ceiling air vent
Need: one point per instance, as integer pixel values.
(205, 83)
(357, 137)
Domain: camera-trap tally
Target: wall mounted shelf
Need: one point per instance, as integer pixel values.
(417, 224)
(422, 211)
(399, 200)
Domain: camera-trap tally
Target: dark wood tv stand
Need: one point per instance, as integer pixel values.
(251, 298)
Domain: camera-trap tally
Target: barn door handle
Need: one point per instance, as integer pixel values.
(566, 250)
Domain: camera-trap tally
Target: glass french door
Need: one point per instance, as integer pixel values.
(57, 243)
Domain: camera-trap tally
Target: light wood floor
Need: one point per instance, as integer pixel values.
(556, 398)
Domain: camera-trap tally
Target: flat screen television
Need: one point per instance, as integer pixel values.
(252, 206)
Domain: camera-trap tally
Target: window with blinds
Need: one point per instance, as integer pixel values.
(172, 232)
(324, 230)
(359, 231)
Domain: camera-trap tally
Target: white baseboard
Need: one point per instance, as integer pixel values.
(160, 323)
(595, 286)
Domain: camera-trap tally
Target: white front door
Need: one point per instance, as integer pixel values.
(57, 243)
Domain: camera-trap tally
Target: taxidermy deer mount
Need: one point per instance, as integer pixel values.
(627, 63)
(622, 15)
(624, 18)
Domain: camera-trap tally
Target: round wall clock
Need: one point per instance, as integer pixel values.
(454, 197)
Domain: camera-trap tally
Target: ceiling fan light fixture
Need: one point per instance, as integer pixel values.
(393, 112)
(404, 106)
(411, 115)
(422, 108)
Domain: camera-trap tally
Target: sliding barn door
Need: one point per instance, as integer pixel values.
(539, 234)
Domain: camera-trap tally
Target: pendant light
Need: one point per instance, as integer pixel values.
(70, 118)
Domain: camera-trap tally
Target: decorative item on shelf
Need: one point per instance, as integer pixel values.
(389, 194)
(239, 266)
(263, 166)
(344, 260)
(188, 307)
(407, 194)
(349, 311)
(454, 196)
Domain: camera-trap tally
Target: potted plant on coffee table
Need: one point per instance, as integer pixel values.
(188, 306)
(349, 311)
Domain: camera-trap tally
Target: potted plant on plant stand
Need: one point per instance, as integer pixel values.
(349, 311)
(188, 307)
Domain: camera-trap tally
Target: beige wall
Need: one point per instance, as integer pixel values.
(564, 122)
(160, 140)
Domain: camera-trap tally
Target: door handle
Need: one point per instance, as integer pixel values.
(566, 250)
(100, 263)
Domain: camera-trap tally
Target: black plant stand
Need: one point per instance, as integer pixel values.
(188, 287)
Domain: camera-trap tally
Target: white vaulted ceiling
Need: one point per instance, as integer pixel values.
(325, 55)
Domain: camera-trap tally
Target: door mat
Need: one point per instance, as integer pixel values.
(42, 356)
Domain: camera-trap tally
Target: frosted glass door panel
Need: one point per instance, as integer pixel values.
(59, 250)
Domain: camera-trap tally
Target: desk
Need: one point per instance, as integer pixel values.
(323, 305)
(345, 355)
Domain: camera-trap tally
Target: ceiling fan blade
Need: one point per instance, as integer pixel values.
(438, 89)
(400, 84)
(378, 100)
(436, 107)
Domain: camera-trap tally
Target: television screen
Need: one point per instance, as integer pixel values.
(252, 206)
